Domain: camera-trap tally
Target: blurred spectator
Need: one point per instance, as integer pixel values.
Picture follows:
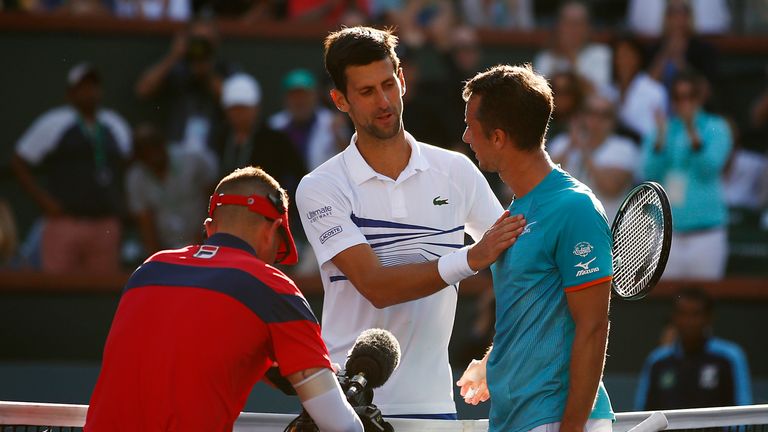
(9, 239)
(687, 155)
(646, 17)
(154, 10)
(743, 177)
(329, 11)
(426, 113)
(594, 154)
(572, 49)
(698, 370)
(81, 149)
(168, 189)
(426, 22)
(84, 7)
(755, 16)
(190, 76)
(250, 141)
(680, 49)
(499, 14)
(249, 11)
(639, 97)
(314, 130)
(568, 92)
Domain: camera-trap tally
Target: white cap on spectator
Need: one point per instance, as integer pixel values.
(240, 89)
(80, 72)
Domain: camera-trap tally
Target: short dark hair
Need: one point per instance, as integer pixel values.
(690, 76)
(357, 46)
(514, 99)
(251, 180)
(697, 295)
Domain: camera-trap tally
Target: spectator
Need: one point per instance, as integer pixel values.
(167, 191)
(249, 141)
(174, 10)
(9, 240)
(84, 7)
(328, 11)
(592, 153)
(569, 93)
(687, 155)
(743, 176)
(312, 128)
(646, 17)
(499, 14)
(573, 51)
(81, 148)
(190, 75)
(698, 370)
(639, 97)
(680, 49)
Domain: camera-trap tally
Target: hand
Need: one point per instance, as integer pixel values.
(474, 388)
(496, 240)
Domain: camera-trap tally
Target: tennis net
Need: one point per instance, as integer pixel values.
(42, 417)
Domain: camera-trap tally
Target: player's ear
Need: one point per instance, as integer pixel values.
(401, 78)
(209, 228)
(339, 100)
(498, 138)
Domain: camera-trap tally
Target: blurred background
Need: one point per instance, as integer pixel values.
(118, 117)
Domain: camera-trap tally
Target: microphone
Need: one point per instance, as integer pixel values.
(370, 362)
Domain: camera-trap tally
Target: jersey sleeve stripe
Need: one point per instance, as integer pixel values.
(268, 305)
(588, 284)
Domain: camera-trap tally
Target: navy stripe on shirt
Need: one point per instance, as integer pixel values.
(268, 305)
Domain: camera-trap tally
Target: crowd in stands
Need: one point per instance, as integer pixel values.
(632, 110)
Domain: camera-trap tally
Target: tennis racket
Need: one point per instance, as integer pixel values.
(642, 236)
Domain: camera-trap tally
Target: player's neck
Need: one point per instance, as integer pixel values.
(387, 157)
(526, 170)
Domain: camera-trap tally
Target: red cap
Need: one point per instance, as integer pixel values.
(270, 207)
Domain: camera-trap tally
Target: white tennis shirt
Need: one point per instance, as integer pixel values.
(418, 217)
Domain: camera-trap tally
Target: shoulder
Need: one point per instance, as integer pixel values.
(596, 50)
(446, 161)
(330, 175)
(60, 116)
(727, 349)
(660, 354)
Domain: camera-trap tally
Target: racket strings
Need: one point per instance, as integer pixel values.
(638, 242)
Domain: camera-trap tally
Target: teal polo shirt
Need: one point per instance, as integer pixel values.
(565, 247)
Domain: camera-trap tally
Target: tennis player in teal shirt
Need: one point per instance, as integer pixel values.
(552, 286)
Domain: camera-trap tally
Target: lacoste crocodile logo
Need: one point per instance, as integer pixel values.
(438, 202)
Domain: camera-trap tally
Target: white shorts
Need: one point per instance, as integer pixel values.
(593, 425)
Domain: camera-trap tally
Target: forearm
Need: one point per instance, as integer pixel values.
(388, 286)
(153, 78)
(586, 370)
(28, 182)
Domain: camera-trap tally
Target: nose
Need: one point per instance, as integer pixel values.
(466, 137)
(381, 99)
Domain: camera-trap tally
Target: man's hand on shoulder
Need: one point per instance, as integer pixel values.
(496, 240)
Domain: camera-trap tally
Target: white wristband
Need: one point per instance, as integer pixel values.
(454, 266)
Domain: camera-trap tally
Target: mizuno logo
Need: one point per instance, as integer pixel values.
(585, 265)
(585, 270)
(438, 202)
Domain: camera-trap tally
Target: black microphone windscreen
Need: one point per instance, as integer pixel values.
(376, 354)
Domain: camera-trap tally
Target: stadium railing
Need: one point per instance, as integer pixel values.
(24, 416)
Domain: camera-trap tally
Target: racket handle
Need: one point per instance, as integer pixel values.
(654, 423)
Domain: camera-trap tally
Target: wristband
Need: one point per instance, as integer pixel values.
(454, 266)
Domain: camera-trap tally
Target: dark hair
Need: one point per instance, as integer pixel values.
(357, 46)
(249, 181)
(636, 46)
(514, 99)
(690, 76)
(697, 295)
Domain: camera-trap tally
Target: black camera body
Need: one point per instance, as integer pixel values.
(361, 399)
